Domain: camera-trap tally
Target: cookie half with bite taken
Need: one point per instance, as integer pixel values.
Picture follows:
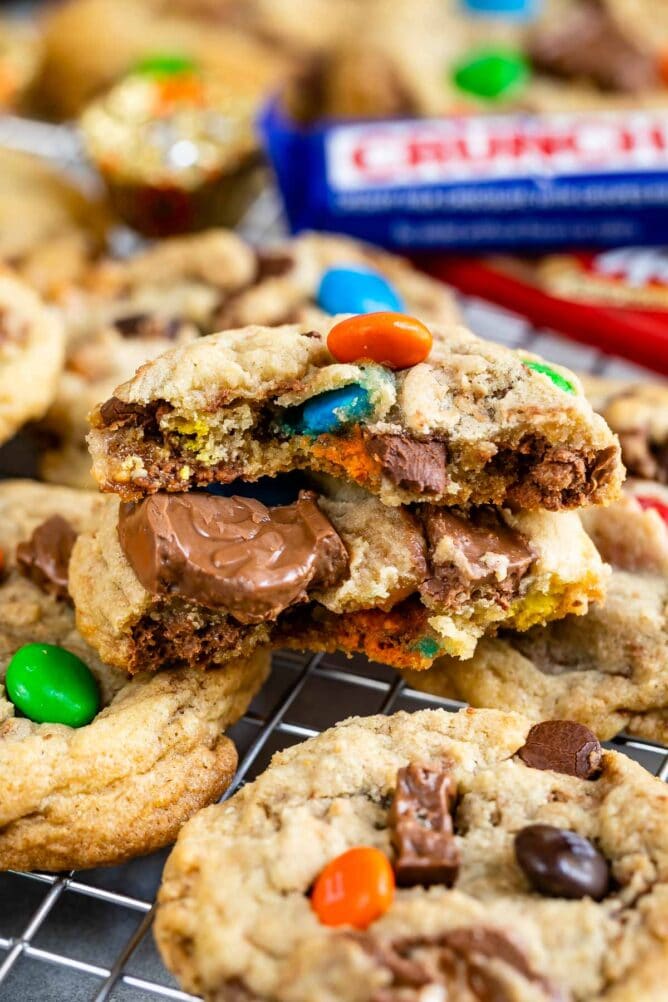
(608, 669)
(196, 579)
(426, 856)
(126, 312)
(411, 414)
(97, 769)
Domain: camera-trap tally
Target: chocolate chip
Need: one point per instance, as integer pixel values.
(563, 746)
(44, 558)
(412, 465)
(145, 325)
(421, 825)
(561, 863)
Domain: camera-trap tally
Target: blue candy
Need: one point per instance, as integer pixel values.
(504, 8)
(332, 410)
(356, 289)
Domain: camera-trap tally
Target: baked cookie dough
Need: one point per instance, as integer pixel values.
(32, 350)
(123, 784)
(638, 413)
(196, 579)
(608, 670)
(50, 229)
(128, 312)
(530, 865)
(473, 423)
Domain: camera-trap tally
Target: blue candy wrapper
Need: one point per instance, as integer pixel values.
(477, 183)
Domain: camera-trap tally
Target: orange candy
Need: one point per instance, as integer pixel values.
(354, 889)
(391, 339)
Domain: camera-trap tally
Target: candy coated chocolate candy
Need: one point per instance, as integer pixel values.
(560, 863)
(356, 289)
(521, 9)
(653, 504)
(330, 411)
(50, 685)
(392, 339)
(556, 377)
(165, 64)
(562, 746)
(355, 888)
(492, 73)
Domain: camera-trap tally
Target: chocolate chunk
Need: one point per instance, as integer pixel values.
(273, 264)
(414, 466)
(640, 458)
(473, 555)
(45, 557)
(588, 43)
(231, 553)
(563, 746)
(117, 411)
(146, 325)
(466, 961)
(422, 832)
(561, 864)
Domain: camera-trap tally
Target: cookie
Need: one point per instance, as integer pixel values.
(154, 753)
(462, 421)
(196, 579)
(638, 413)
(32, 348)
(127, 312)
(607, 670)
(426, 856)
(19, 63)
(50, 229)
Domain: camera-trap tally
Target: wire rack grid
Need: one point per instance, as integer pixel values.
(87, 935)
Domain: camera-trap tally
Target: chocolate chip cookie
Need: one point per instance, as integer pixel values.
(196, 579)
(32, 347)
(638, 413)
(608, 670)
(153, 752)
(427, 856)
(473, 422)
(125, 313)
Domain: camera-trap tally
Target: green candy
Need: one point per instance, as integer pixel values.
(558, 380)
(165, 64)
(50, 685)
(492, 73)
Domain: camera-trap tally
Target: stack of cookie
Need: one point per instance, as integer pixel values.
(445, 476)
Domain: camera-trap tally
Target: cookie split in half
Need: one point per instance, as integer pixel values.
(155, 752)
(426, 856)
(475, 423)
(197, 579)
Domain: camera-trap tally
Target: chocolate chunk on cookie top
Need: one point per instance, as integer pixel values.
(444, 417)
(416, 858)
(564, 746)
(232, 552)
(421, 825)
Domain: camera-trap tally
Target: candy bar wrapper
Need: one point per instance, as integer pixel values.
(477, 183)
(614, 299)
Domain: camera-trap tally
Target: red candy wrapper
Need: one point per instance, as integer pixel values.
(616, 300)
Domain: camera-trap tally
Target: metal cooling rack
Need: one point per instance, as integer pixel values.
(86, 935)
